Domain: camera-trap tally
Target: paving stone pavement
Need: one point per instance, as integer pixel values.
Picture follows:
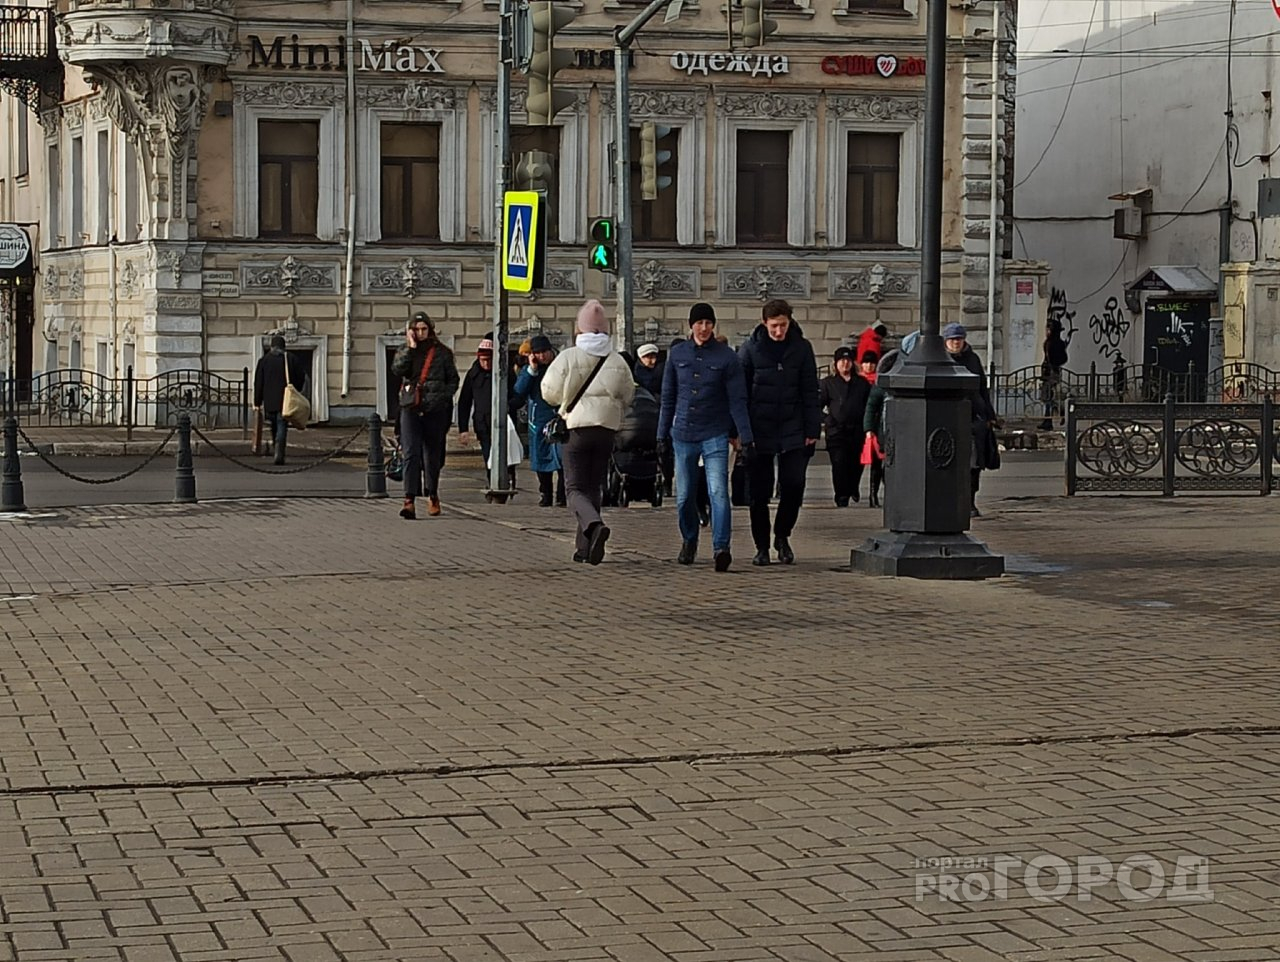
(307, 730)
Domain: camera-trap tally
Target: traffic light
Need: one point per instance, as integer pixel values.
(755, 26)
(604, 245)
(651, 159)
(542, 101)
(534, 170)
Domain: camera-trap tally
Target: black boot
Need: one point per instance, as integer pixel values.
(874, 500)
(544, 489)
(560, 498)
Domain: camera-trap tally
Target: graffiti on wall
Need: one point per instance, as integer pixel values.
(1109, 328)
(1059, 316)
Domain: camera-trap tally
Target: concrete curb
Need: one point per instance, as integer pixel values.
(237, 448)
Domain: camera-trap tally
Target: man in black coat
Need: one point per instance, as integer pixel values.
(985, 452)
(786, 419)
(268, 390)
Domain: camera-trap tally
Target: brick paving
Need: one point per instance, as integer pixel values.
(305, 730)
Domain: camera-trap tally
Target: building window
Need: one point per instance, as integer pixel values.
(762, 186)
(54, 177)
(535, 165)
(77, 193)
(24, 146)
(131, 228)
(654, 221)
(871, 211)
(102, 187)
(288, 177)
(411, 181)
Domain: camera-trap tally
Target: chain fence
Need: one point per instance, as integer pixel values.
(312, 463)
(83, 480)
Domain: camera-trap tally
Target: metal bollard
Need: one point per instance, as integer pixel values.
(11, 497)
(184, 490)
(375, 485)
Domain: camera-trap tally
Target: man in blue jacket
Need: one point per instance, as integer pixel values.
(703, 414)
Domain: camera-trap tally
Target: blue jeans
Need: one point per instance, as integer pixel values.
(715, 458)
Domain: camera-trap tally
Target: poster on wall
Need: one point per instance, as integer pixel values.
(1176, 342)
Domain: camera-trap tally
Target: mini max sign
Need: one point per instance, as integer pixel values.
(389, 56)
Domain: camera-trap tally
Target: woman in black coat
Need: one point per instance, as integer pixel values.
(786, 420)
(843, 395)
(985, 453)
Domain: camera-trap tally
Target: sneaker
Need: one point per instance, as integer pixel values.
(433, 505)
(561, 501)
(579, 558)
(761, 559)
(785, 554)
(723, 559)
(408, 512)
(842, 502)
(544, 501)
(596, 538)
(688, 551)
(854, 497)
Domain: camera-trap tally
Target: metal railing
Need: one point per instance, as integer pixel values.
(1024, 393)
(79, 398)
(26, 33)
(1171, 446)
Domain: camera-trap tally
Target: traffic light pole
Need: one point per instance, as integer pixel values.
(622, 38)
(502, 149)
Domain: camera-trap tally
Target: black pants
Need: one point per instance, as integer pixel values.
(586, 464)
(545, 480)
(792, 466)
(422, 438)
(846, 466)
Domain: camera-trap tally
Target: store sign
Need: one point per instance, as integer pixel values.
(15, 248)
(755, 65)
(885, 65)
(387, 57)
(599, 60)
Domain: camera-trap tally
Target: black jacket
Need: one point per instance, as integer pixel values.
(442, 379)
(846, 404)
(475, 401)
(983, 410)
(268, 379)
(649, 378)
(782, 390)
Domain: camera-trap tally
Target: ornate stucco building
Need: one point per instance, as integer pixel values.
(192, 171)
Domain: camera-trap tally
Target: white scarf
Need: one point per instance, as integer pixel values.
(597, 345)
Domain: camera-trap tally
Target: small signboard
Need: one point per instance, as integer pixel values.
(523, 240)
(15, 251)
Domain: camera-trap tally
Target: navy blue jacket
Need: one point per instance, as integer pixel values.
(703, 394)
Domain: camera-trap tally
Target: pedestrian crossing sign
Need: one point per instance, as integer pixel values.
(524, 240)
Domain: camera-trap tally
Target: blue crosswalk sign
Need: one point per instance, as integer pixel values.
(522, 240)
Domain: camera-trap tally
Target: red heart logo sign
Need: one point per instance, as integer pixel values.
(887, 63)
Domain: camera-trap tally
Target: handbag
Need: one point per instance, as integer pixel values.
(411, 391)
(395, 464)
(556, 430)
(871, 450)
(295, 409)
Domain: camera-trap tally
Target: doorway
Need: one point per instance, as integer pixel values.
(1176, 348)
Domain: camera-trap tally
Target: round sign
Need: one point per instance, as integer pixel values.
(15, 246)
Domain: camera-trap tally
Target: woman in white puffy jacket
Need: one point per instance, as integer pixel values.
(592, 422)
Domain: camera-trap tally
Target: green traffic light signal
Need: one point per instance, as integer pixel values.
(603, 254)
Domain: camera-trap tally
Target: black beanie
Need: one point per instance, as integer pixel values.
(702, 312)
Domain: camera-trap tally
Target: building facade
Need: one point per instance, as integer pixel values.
(213, 171)
(1145, 154)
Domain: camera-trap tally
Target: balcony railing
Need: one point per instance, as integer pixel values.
(26, 35)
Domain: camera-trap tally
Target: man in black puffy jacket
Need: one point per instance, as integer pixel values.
(786, 419)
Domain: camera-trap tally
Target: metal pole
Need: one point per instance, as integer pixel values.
(935, 108)
(993, 223)
(11, 495)
(375, 485)
(622, 192)
(184, 481)
(501, 303)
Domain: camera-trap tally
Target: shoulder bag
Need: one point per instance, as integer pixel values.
(411, 391)
(295, 408)
(556, 430)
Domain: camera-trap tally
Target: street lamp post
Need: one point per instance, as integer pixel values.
(927, 430)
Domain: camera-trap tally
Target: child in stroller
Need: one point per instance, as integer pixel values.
(634, 469)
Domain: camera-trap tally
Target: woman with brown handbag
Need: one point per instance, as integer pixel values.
(430, 378)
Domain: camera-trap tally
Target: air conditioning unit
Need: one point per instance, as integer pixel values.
(1130, 223)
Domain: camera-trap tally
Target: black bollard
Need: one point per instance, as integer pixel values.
(184, 490)
(11, 497)
(375, 485)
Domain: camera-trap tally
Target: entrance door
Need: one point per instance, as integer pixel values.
(393, 385)
(24, 316)
(1176, 345)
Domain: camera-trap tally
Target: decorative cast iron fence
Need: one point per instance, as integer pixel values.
(78, 398)
(1023, 393)
(1171, 447)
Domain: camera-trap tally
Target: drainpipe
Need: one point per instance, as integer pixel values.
(993, 226)
(351, 198)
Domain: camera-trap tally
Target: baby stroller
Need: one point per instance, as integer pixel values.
(635, 473)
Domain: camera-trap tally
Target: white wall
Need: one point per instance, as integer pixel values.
(1143, 107)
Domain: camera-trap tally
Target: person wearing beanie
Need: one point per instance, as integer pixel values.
(786, 420)
(474, 403)
(592, 387)
(427, 363)
(544, 457)
(985, 452)
(703, 413)
(872, 339)
(843, 396)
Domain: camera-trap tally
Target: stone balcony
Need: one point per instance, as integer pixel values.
(192, 31)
